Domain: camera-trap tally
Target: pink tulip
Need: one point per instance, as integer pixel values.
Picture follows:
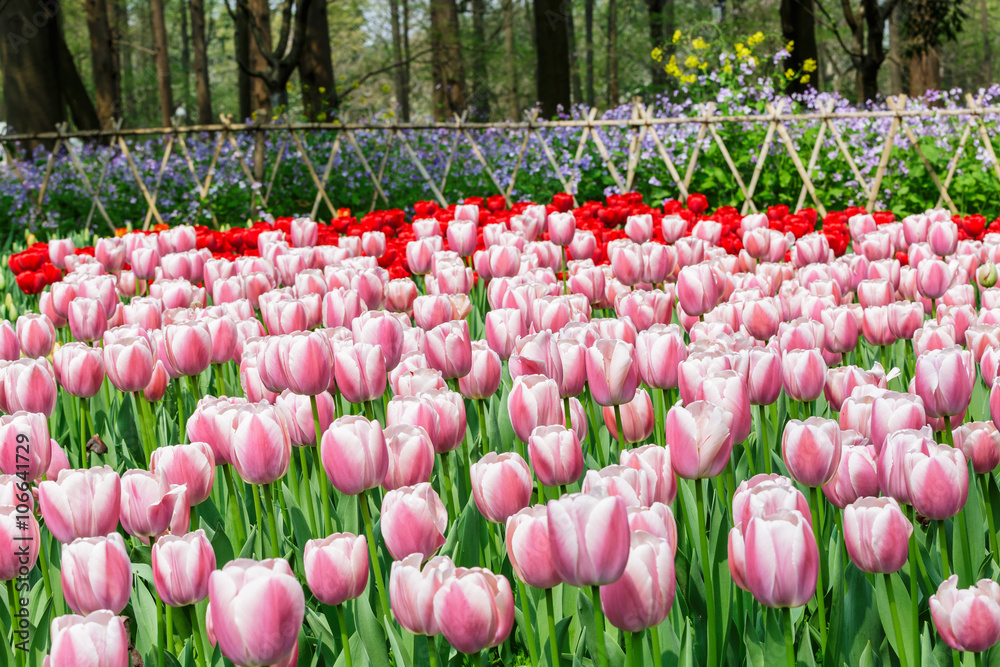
(181, 568)
(354, 454)
(101, 636)
(528, 547)
(637, 418)
(10, 346)
(937, 480)
(307, 362)
(300, 419)
(25, 446)
(501, 485)
(942, 236)
(893, 412)
(79, 369)
(336, 567)
(157, 387)
(129, 363)
(934, 278)
(589, 538)
(81, 503)
(943, 381)
(642, 597)
(657, 520)
(150, 506)
(781, 559)
(803, 374)
(633, 486)
(96, 574)
(431, 310)
(503, 327)
(841, 328)
(474, 609)
(19, 540)
(612, 372)
(413, 521)
(967, 619)
(763, 375)
(265, 591)
(36, 334)
(448, 348)
(655, 462)
(856, 476)
(763, 495)
(411, 456)
(260, 444)
(28, 385)
(412, 591)
(360, 372)
(452, 424)
(877, 535)
(811, 450)
(697, 291)
(590, 283)
(658, 351)
(87, 319)
(192, 465)
(980, 442)
(555, 454)
(382, 329)
(483, 379)
(728, 390)
(699, 439)
(533, 401)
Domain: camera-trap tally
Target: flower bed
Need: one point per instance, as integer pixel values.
(523, 436)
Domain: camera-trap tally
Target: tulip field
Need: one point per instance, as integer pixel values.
(540, 434)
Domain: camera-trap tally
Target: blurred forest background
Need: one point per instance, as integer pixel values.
(145, 62)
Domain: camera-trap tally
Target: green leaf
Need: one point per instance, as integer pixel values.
(144, 608)
(861, 621)
(902, 597)
(970, 546)
(774, 638)
(371, 633)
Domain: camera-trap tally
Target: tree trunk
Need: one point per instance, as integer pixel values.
(319, 89)
(588, 13)
(552, 63)
(657, 36)
(612, 53)
(447, 71)
(123, 57)
(513, 108)
(28, 53)
(574, 64)
(480, 106)
(925, 72)
(875, 52)
(798, 24)
(185, 59)
(102, 61)
(987, 46)
(242, 41)
(74, 92)
(406, 60)
(162, 61)
(399, 73)
(198, 42)
(260, 93)
(895, 54)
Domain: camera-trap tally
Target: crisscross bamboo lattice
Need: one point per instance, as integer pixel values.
(642, 129)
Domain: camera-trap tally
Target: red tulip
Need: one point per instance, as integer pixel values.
(589, 538)
(96, 574)
(877, 535)
(181, 568)
(413, 521)
(336, 567)
(265, 591)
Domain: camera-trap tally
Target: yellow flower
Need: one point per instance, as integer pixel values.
(789, 74)
(671, 67)
(727, 68)
(703, 65)
(804, 79)
(657, 54)
(323, 90)
(288, 85)
(790, 46)
(385, 88)
(742, 52)
(691, 61)
(699, 43)
(756, 38)
(809, 65)
(690, 78)
(677, 36)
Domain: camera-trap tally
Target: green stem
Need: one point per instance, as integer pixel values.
(820, 589)
(83, 433)
(567, 413)
(234, 506)
(602, 653)
(618, 424)
(789, 638)
(197, 647)
(553, 640)
(342, 620)
(966, 556)
(483, 441)
(260, 521)
(271, 523)
(170, 628)
(654, 640)
(914, 563)
(629, 649)
(706, 570)
(984, 481)
(432, 651)
(659, 430)
(777, 435)
(181, 419)
(366, 515)
(220, 381)
(14, 600)
(321, 475)
(161, 633)
(43, 563)
(529, 632)
(900, 649)
(943, 546)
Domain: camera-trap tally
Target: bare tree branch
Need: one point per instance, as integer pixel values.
(832, 25)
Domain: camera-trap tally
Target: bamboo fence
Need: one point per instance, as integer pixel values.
(641, 127)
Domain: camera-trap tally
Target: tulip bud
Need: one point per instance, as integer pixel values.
(877, 535)
(96, 574)
(336, 567)
(968, 619)
(181, 568)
